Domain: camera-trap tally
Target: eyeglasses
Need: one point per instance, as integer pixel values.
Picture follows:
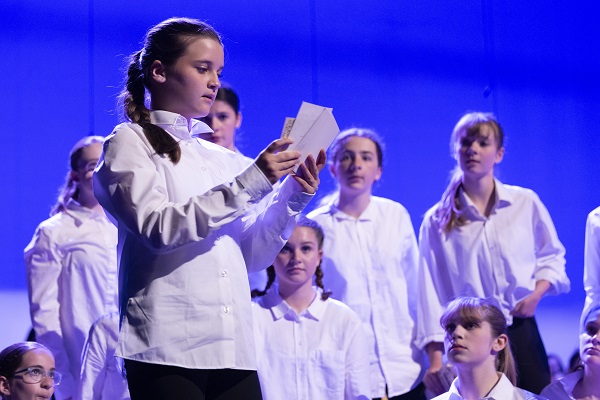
(36, 375)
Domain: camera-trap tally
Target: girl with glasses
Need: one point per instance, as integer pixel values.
(27, 372)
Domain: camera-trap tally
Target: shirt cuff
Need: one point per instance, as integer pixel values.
(295, 200)
(254, 182)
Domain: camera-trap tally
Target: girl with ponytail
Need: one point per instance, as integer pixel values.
(188, 233)
(477, 344)
(71, 266)
(310, 345)
(489, 240)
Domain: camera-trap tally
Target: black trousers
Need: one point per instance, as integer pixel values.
(533, 372)
(165, 382)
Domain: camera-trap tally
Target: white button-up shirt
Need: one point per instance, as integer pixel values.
(71, 266)
(499, 257)
(370, 263)
(320, 354)
(591, 269)
(184, 249)
(100, 376)
(504, 390)
(258, 280)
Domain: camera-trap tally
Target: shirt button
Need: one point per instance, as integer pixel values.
(203, 169)
(226, 310)
(188, 144)
(223, 273)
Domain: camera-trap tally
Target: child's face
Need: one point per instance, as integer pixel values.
(189, 86)
(477, 155)
(297, 262)
(223, 121)
(85, 167)
(471, 342)
(589, 342)
(18, 386)
(356, 166)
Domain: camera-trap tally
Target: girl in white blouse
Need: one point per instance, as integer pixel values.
(309, 346)
(184, 248)
(371, 260)
(477, 344)
(584, 383)
(492, 241)
(71, 266)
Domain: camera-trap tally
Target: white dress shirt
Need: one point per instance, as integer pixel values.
(184, 250)
(562, 389)
(320, 354)
(504, 390)
(500, 257)
(258, 280)
(591, 269)
(370, 263)
(100, 377)
(71, 266)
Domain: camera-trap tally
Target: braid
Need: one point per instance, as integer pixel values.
(319, 282)
(133, 97)
(271, 276)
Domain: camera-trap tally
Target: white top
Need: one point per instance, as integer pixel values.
(71, 267)
(591, 269)
(258, 280)
(320, 354)
(370, 263)
(499, 258)
(183, 248)
(504, 390)
(100, 376)
(562, 389)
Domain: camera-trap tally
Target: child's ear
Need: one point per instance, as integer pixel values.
(158, 72)
(500, 343)
(4, 386)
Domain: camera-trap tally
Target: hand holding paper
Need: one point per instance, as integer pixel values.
(313, 129)
(307, 175)
(275, 162)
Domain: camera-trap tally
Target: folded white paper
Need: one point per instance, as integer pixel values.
(314, 128)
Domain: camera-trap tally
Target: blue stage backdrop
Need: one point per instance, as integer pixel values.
(408, 69)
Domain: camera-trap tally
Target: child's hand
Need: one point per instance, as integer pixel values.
(275, 162)
(307, 175)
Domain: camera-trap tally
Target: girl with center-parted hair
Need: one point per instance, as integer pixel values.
(371, 261)
(27, 372)
(184, 248)
(71, 258)
(489, 240)
(478, 346)
(309, 346)
(583, 383)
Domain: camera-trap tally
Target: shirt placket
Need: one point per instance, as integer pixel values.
(377, 317)
(495, 258)
(301, 357)
(227, 312)
(111, 272)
